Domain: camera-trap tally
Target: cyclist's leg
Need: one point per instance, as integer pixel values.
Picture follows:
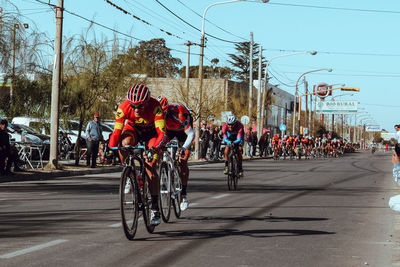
(226, 152)
(154, 179)
(128, 137)
(239, 157)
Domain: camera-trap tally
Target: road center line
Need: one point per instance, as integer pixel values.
(220, 196)
(31, 249)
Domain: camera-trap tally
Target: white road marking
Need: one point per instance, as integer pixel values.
(220, 196)
(3, 199)
(31, 249)
(116, 225)
(193, 204)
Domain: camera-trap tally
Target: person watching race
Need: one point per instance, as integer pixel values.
(233, 134)
(144, 122)
(179, 123)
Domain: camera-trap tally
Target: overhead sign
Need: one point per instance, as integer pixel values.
(282, 127)
(337, 107)
(321, 90)
(245, 119)
(373, 128)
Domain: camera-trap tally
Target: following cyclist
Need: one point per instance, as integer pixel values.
(180, 125)
(144, 122)
(233, 132)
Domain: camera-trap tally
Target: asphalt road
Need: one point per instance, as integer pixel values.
(328, 212)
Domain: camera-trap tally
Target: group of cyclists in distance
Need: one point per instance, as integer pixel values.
(307, 146)
(142, 118)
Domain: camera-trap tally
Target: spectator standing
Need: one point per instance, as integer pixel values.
(5, 150)
(397, 128)
(204, 139)
(94, 135)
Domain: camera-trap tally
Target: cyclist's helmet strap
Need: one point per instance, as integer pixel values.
(138, 94)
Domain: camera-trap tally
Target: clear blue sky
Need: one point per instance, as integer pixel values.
(362, 47)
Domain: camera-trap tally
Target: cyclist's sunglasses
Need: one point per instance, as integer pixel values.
(137, 106)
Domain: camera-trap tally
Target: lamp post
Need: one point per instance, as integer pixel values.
(264, 92)
(197, 151)
(296, 95)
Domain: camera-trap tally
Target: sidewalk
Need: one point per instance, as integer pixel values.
(71, 170)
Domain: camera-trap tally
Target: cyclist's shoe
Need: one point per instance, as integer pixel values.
(226, 170)
(241, 174)
(184, 203)
(155, 218)
(128, 187)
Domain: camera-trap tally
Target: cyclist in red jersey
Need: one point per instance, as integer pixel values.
(179, 123)
(233, 133)
(140, 118)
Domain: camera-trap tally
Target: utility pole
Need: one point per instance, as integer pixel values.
(310, 116)
(200, 96)
(306, 114)
(251, 76)
(187, 68)
(259, 123)
(15, 27)
(55, 88)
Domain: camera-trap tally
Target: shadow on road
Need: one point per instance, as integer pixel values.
(218, 233)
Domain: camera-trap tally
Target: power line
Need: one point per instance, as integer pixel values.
(211, 22)
(338, 8)
(142, 20)
(184, 21)
(137, 5)
(337, 53)
(355, 75)
(106, 27)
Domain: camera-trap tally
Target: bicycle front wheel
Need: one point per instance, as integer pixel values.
(177, 197)
(235, 173)
(146, 204)
(165, 193)
(230, 174)
(129, 202)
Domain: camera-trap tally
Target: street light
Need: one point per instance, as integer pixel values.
(260, 110)
(201, 71)
(296, 95)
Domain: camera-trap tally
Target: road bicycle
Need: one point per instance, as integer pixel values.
(170, 182)
(134, 193)
(233, 169)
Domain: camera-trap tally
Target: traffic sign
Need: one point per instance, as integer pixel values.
(282, 127)
(245, 119)
(321, 90)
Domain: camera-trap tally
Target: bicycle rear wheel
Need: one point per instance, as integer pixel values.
(129, 202)
(165, 192)
(177, 197)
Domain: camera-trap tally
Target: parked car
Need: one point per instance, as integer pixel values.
(32, 136)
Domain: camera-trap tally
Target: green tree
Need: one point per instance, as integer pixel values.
(154, 59)
(241, 60)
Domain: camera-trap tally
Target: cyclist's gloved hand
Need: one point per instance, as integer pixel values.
(228, 143)
(152, 153)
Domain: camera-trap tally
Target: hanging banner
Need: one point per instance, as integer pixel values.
(337, 107)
